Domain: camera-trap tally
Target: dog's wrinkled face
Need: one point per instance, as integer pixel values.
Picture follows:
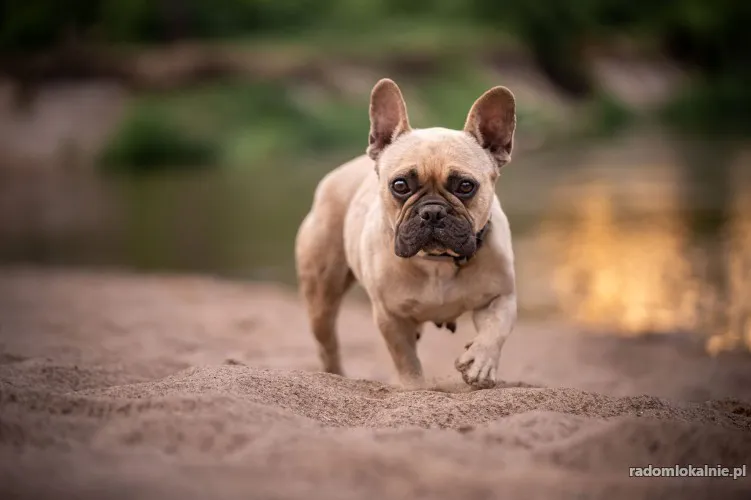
(437, 185)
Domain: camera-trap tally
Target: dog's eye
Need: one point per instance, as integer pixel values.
(400, 187)
(465, 188)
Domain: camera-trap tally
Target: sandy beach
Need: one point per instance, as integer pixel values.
(119, 385)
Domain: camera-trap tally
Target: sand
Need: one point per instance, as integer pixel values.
(117, 385)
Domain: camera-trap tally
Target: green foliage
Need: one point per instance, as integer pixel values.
(230, 123)
(709, 37)
(42, 23)
(148, 140)
(247, 125)
(134, 20)
(717, 106)
(233, 123)
(607, 115)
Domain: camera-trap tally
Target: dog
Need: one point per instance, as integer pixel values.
(417, 223)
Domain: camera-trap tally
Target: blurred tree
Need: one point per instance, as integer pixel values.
(710, 36)
(31, 24)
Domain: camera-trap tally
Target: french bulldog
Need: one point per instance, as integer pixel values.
(417, 223)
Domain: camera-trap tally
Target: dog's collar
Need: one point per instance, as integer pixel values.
(461, 261)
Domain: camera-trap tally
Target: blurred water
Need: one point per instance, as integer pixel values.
(643, 233)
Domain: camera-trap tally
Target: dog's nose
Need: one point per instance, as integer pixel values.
(432, 213)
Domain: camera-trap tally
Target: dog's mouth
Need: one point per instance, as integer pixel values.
(436, 249)
(452, 235)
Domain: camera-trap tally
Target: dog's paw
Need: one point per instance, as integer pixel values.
(478, 365)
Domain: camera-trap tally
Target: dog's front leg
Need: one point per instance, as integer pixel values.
(401, 340)
(494, 323)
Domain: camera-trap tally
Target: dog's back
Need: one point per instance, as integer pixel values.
(336, 190)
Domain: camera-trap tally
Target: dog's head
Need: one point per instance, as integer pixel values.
(437, 185)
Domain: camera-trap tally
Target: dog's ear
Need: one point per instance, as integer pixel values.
(492, 121)
(388, 116)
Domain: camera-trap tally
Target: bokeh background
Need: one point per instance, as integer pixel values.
(188, 136)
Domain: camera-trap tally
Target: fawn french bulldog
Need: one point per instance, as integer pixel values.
(418, 224)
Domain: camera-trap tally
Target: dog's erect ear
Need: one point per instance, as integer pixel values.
(492, 121)
(388, 116)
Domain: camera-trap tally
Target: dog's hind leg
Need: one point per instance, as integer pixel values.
(324, 278)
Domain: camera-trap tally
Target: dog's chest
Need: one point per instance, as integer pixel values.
(442, 295)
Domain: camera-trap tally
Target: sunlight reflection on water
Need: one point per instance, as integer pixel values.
(636, 258)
